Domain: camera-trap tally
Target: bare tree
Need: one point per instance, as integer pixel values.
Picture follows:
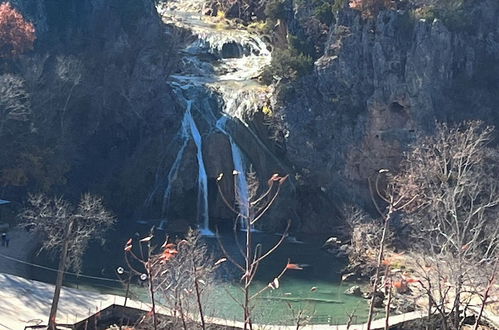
(66, 231)
(177, 271)
(148, 265)
(454, 175)
(256, 206)
(396, 198)
(185, 279)
(14, 100)
(69, 70)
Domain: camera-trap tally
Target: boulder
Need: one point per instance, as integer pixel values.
(354, 291)
(378, 302)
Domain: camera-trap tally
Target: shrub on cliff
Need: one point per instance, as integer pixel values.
(371, 8)
(324, 12)
(16, 34)
(287, 64)
(453, 13)
(277, 9)
(319, 9)
(339, 4)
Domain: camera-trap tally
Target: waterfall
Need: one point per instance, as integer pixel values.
(190, 130)
(203, 213)
(217, 64)
(241, 182)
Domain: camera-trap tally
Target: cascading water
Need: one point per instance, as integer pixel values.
(241, 182)
(202, 177)
(220, 61)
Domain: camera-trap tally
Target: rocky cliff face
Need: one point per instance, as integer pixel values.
(105, 119)
(381, 81)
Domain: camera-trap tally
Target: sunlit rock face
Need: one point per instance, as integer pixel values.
(379, 83)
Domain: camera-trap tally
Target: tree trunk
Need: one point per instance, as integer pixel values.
(388, 303)
(486, 296)
(198, 297)
(60, 277)
(182, 316)
(151, 291)
(378, 266)
(247, 278)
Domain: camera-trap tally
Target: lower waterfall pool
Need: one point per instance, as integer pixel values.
(315, 292)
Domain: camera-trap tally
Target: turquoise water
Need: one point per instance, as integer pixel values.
(326, 304)
(316, 290)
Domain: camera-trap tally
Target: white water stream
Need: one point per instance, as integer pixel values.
(241, 182)
(203, 214)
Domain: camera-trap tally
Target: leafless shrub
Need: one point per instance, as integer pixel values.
(365, 234)
(69, 69)
(146, 265)
(301, 316)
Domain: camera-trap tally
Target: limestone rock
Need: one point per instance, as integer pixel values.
(354, 291)
(380, 82)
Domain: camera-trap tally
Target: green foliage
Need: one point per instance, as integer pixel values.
(277, 9)
(455, 20)
(301, 45)
(339, 4)
(321, 9)
(324, 12)
(371, 8)
(453, 13)
(287, 64)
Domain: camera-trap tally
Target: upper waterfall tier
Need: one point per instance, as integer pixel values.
(236, 53)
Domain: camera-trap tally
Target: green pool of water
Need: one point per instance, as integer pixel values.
(316, 290)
